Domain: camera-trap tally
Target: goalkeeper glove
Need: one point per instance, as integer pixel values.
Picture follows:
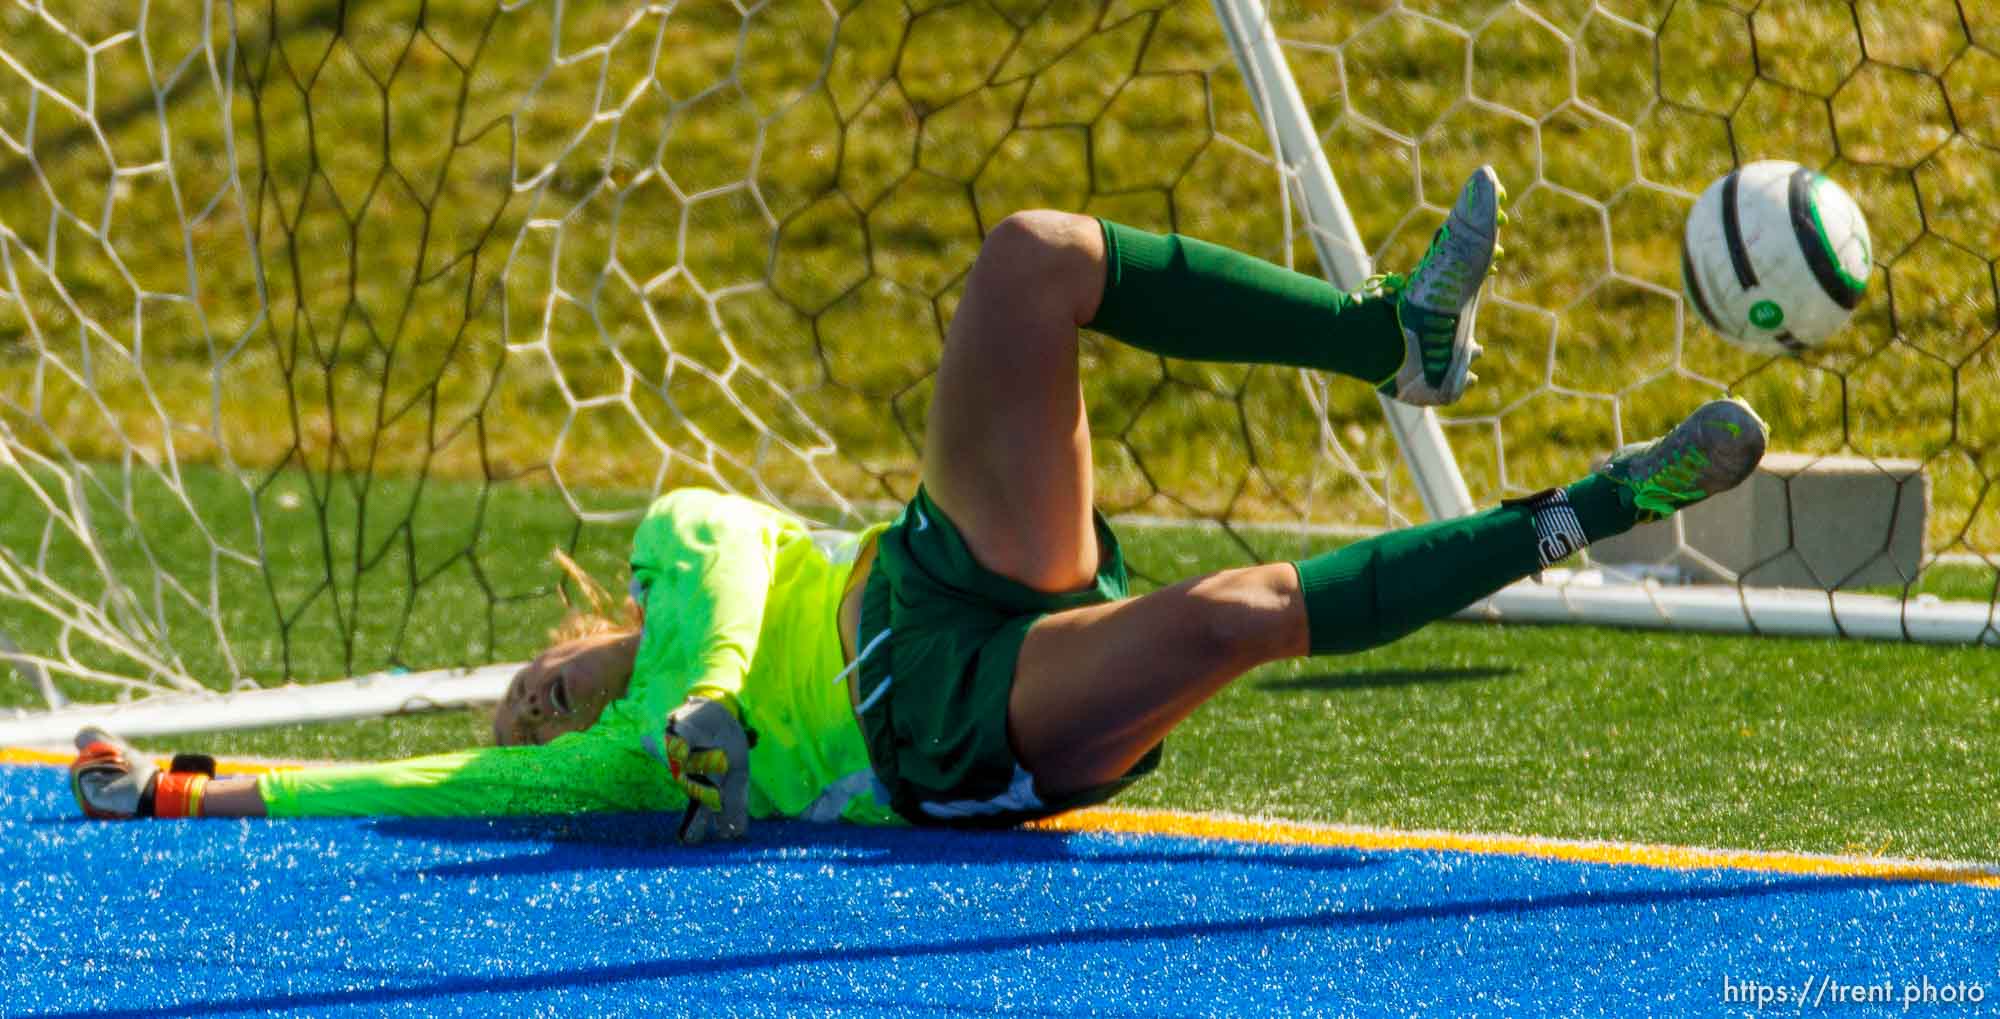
(114, 782)
(708, 750)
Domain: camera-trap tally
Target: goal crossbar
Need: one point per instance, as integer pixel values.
(372, 696)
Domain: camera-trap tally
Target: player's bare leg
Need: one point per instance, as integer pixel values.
(1096, 688)
(1007, 450)
(1007, 457)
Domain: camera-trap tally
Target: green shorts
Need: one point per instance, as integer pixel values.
(934, 693)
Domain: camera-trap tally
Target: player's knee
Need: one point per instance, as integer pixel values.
(1060, 254)
(1239, 618)
(1046, 235)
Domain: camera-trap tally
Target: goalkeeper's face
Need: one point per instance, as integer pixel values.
(565, 689)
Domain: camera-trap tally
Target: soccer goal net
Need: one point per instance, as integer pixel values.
(322, 324)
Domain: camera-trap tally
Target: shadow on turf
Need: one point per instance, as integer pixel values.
(1371, 679)
(625, 841)
(848, 955)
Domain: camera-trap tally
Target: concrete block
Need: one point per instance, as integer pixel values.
(1825, 522)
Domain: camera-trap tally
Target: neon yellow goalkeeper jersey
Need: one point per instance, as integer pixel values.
(739, 598)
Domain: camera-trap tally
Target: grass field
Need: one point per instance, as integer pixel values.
(339, 330)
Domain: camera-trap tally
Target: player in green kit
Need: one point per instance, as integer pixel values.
(977, 661)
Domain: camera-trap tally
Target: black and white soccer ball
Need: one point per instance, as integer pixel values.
(1775, 257)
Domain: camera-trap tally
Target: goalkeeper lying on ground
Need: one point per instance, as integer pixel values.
(977, 661)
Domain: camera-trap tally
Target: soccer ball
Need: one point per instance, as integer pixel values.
(1775, 257)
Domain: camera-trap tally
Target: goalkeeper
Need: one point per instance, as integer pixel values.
(977, 660)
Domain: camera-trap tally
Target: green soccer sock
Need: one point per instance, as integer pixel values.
(1375, 591)
(1180, 297)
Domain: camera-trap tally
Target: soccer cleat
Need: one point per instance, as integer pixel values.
(1712, 451)
(1438, 302)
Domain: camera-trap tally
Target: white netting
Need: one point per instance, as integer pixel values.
(319, 325)
(1607, 119)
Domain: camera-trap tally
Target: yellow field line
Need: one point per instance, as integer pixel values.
(1166, 822)
(240, 766)
(1121, 820)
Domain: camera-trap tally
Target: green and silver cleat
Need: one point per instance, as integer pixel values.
(1713, 451)
(1437, 303)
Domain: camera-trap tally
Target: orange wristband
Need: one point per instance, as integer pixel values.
(179, 794)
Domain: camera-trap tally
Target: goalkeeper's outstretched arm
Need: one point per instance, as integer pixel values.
(578, 773)
(614, 720)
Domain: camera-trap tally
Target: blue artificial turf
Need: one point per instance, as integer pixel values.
(606, 916)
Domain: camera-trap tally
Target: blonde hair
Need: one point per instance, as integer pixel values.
(598, 616)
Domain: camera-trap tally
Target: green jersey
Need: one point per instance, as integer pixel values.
(740, 599)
